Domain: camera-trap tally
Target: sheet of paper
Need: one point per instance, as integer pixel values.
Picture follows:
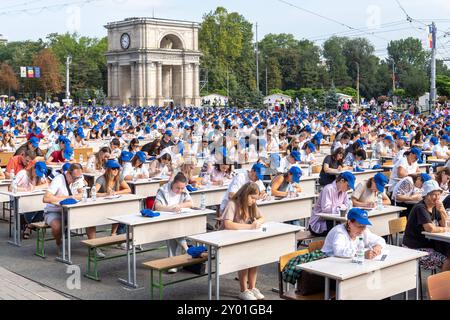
(113, 197)
(383, 252)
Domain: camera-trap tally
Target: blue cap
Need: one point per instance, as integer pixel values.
(168, 132)
(68, 201)
(191, 188)
(381, 181)
(389, 138)
(258, 168)
(350, 178)
(141, 156)
(446, 138)
(149, 213)
(196, 252)
(126, 156)
(296, 155)
(34, 142)
(434, 140)
(37, 130)
(311, 146)
(416, 151)
(80, 133)
(112, 164)
(296, 173)
(425, 177)
(40, 168)
(68, 152)
(359, 215)
(66, 167)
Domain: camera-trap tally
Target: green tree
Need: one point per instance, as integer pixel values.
(443, 85)
(333, 52)
(331, 100)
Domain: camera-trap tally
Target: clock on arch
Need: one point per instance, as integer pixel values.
(125, 41)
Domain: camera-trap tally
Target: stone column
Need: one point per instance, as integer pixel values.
(116, 85)
(166, 82)
(196, 85)
(133, 82)
(159, 83)
(110, 80)
(148, 83)
(139, 82)
(187, 94)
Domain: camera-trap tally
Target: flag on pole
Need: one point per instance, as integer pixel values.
(37, 72)
(431, 37)
(23, 72)
(30, 72)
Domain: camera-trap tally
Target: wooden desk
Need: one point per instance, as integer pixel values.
(232, 248)
(379, 218)
(372, 280)
(146, 187)
(5, 157)
(93, 214)
(142, 230)
(287, 209)
(23, 202)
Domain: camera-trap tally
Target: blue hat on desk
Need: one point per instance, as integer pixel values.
(191, 188)
(296, 155)
(196, 252)
(359, 215)
(380, 180)
(350, 178)
(149, 213)
(68, 201)
(40, 168)
(296, 173)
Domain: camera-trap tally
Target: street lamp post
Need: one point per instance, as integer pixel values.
(357, 82)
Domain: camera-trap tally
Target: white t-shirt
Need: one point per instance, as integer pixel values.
(236, 183)
(58, 188)
(441, 149)
(129, 170)
(403, 162)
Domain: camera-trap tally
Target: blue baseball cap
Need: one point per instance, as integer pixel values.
(68, 152)
(168, 132)
(112, 164)
(259, 169)
(446, 138)
(141, 156)
(350, 178)
(296, 174)
(296, 155)
(311, 146)
(34, 142)
(434, 140)
(380, 180)
(416, 151)
(359, 215)
(389, 138)
(66, 166)
(425, 177)
(196, 252)
(40, 168)
(80, 133)
(68, 201)
(149, 213)
(126, 156)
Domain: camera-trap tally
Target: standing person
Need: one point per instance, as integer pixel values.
(241, 213)
(173, 197)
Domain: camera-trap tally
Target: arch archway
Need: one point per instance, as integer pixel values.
(171, 41)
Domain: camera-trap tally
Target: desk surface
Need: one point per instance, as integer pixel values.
(444, 236)
(372, 213)
(24, 193)
(102, 201)
(138, 219)
(359, 173)
(230, 237)
(343, 268)
(301, 196)
(147, 181)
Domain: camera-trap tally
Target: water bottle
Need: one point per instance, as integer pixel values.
(310, 170)
(370, 163)
(203, 201)
(424, 158)
(431, 170)
(350, 202)
(81, 159)
(85, 195)
(134, 176)
(14, 186)
(12, 174)
(360, 252)
(354, 166)
(380, 201)
(94, 193)
(289, 191)
(269, 193)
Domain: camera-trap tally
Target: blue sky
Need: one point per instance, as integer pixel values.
(34, 19)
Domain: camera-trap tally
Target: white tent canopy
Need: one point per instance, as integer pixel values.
(214, 99)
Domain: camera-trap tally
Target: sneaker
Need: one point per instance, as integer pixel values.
(99, 253)
(247, 295)
(123, 246)
(173, 270)
(139, 247)
(258, 295)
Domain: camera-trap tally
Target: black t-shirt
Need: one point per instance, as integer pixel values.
(165, 144)
(446, 202)
(419, 216)
(326, 178)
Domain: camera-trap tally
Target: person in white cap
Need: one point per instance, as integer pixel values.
(429, 215)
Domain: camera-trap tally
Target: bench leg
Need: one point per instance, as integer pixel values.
(40, 243)
(151, 284)
(161, 286)
(92, 263)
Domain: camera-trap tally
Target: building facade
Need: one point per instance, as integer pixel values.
(153, 62)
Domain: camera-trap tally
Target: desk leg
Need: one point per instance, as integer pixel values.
(327, 289)
(217, 275)
(69, 244)
(338, 290)
(16, 231)
(128, 282)
(64, 234)
(135, 285)
(209, 272)
(418, 282)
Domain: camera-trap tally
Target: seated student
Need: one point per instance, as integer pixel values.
(429, 215)
(294, 158)
(7, 143)
(408, 192)
(110, 183)
(152, 148)
(443, 179)
(355, 156)
(307, 153)
(58, 191)
(58, 145)
(60, 156)
(78, 139)
(366, 192)
(188, 170)
(405, 166)
(332, 199)
(32, 144)
(133, 147)
(20, 162)
(281, 182)
(241, 213)
(332, 164)
(220, 175)
(31, 179)
(173, 197)
(97, 161)
(94, 133)
(440, 150)
(115, 149)
(161, 166)
(342, 240)
(136, 168)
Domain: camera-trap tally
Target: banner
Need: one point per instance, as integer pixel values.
(37, 72)
(23, 72)
(30, 72)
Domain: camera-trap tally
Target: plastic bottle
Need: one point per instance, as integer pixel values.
(269, 193)
(93, 193)
(379, 201)
(81, 159)
(431, 170)
(134, 176)
(310, 170)
(424, 158)
(12, 174)
(354, 166)
(289, 190)
(85, 196)
(360, 251)
(203, 201)
(14, 185)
